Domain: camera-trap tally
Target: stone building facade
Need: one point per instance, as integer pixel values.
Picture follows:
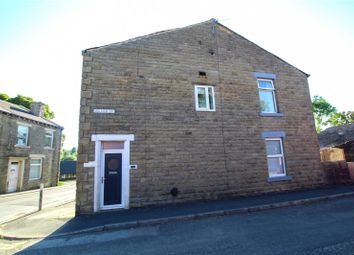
(192, 113)
(29, 148)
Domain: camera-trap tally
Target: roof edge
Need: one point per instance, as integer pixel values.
(212, 21)
(148, 35)
(55, 125)
(306, 74)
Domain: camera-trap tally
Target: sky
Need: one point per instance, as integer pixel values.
(41, 41)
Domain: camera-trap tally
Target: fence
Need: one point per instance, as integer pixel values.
(332, 154)
(67, 170)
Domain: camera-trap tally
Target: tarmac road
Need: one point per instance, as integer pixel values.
(15, 205)
(323, 228)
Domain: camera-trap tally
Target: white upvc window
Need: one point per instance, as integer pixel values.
(22, 135)
(48, 139)
(267, 96)
(275, 157)
(204, 98)
(35, 169)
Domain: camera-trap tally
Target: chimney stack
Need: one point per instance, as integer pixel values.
(37, 108)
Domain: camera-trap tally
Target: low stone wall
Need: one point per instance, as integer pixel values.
(64, 177)
(351, 170)
(337, 172)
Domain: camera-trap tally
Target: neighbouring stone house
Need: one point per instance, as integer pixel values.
(29, 148)
(192, 113)
(340, 138)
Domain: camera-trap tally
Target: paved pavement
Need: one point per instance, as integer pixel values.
(158, 214)
(15, 205)
(322, 228)
(60, 221)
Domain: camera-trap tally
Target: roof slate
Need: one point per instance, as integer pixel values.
(23, 112)
(336, 136)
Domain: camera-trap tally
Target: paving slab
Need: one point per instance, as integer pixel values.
(20, 204)
(41, 223)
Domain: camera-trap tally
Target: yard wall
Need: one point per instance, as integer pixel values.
(337, 172)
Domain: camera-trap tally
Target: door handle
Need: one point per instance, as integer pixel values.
(102, 179)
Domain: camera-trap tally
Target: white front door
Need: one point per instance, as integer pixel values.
(112, 159)
(12, 177)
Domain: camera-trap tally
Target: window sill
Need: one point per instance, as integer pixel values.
(280, 178)
(37, 179)
(22, 146)
(271, 114)
(204, 110)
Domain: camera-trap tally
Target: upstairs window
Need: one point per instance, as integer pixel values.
(204, 98)
(275, 157)
(267, 96)
(48, 139)
(22, 135)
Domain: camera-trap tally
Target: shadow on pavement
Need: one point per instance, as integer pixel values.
(104, 221)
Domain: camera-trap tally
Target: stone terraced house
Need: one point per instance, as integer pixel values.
(29, 148)
(188, 114)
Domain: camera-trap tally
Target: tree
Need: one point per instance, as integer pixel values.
(26, 102)
(327, 115)
(342, 118)
(48, 114)
(322, 111)
(62, 145)
(69, 154)
(4, 97)
(22, 100)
